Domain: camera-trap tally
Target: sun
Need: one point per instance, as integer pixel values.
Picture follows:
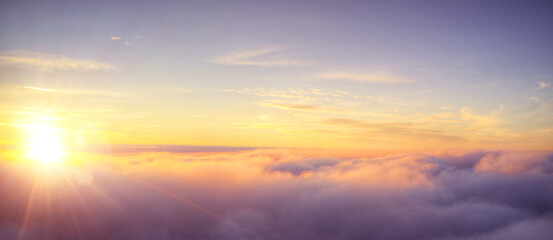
(45, 144)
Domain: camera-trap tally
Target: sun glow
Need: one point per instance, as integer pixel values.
(45, 144)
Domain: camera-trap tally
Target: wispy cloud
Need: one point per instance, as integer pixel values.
(44, 61)
(382, 130)
(126, 41)
(311, 95)
(38, 89)
(375, 78)
(73, 92)
(264, 57)
(288, 106)
(542, 85)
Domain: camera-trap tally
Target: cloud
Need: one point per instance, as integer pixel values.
(465, 122)
(141, 148)
(289, 106)
(374, 78)
(44, 61)
(115, 38)
(398, 132)
(307, 98)
(542, 85)
(515, 162)
(283, 194)
(305, 107)
(264, 57)
(73, 92)
(38, 89)
(311, 100)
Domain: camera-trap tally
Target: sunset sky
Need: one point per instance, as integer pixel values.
(254, 115)
(339, 75)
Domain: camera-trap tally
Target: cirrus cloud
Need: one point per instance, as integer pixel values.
(43, 61)
(374, 78)
(264, 57)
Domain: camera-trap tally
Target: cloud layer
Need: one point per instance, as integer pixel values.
(280, 194)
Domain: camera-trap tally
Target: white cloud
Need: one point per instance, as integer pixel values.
(44, 61)
(375, 78)
(265, 57)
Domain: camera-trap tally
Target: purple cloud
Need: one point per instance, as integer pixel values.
(276, 194)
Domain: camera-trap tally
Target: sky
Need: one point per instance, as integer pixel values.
(353, 75)
(276, 119)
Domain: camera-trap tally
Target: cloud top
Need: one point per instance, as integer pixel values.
(283, 194)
